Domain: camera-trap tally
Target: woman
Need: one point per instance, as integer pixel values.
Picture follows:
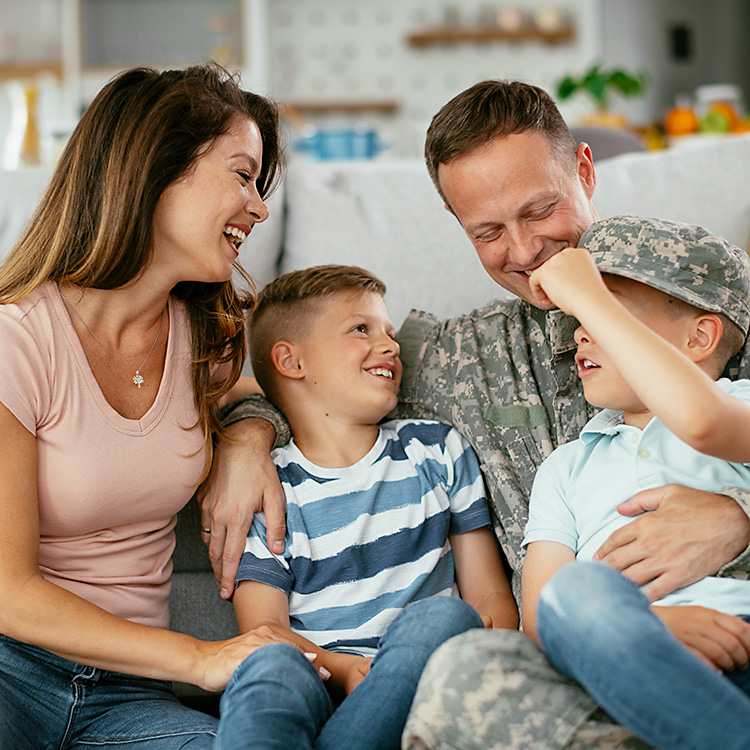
(121, 332)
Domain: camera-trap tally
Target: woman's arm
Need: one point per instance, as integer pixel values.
(260, 605)
(543, 560)
(40, 613)
(481, 578)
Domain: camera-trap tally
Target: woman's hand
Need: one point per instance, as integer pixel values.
(220, 658)
(242, 482)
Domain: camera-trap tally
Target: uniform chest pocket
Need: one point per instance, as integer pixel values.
(521, 433)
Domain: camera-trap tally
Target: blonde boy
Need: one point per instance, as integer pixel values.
(656, 332)
(382, 522)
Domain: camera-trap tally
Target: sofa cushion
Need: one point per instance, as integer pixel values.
(20, 192)
(706, 183)
(386, 217)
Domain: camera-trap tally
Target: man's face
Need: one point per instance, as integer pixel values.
(519, 204)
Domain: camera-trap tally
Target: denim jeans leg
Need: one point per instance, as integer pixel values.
(373, 715)
(48, 701)
(275, 700)
(596, 626)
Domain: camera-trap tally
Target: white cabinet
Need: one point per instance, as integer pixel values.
(84, 42)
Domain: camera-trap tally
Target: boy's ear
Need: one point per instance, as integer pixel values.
(705, 336)
(286, 361)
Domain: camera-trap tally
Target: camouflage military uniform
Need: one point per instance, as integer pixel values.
(487, 373)
(505, 377)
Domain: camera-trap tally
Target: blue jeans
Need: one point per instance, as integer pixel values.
(49, 702)
(596, 627)
(276, 701)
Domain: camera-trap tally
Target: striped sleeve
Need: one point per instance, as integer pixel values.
(467, 493)
(259, 564)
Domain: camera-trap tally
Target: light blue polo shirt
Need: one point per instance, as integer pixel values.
(576, 491)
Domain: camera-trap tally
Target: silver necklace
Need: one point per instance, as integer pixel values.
(137, 377)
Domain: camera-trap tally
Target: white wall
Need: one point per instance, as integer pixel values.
(338, 49)
(635, 34)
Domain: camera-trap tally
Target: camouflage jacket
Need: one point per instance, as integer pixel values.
(504, 375)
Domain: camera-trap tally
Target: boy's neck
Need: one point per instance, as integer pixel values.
(333, 444)
(637, 419)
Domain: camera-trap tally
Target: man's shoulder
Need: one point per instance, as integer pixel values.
(505, 307)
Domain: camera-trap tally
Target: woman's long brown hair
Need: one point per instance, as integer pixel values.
(93, 226)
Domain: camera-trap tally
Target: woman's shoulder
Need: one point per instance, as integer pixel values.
(35, 313)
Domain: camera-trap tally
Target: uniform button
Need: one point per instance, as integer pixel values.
(644, 453)
(634, 438)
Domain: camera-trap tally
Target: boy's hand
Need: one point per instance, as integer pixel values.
(357, 673)
(566, 279)
(722, 641)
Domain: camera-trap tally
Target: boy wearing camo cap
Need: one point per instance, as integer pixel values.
(663, 307)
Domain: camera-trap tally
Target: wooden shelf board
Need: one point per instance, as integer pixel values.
(10, 71)
(484, 35)
(383, 106)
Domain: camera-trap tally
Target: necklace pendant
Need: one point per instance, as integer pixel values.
(138, 378)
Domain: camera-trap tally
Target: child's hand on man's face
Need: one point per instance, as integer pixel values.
(568, 280)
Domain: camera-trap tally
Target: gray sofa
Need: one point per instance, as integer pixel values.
(386, 216)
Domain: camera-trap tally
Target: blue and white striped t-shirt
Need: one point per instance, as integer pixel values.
(364, 541)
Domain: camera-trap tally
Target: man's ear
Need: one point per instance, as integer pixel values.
(705, 335)
(585, 168)
(286, 360)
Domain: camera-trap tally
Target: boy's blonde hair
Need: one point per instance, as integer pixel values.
(287, 307)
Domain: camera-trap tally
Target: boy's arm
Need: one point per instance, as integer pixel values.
(722, 641)
(481, 577)
(672, 387)
(543, 560)
(258, 604)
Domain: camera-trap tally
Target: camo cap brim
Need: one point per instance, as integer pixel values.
(683, 260)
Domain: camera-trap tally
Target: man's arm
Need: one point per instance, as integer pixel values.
(687, 535)
(242, 481)
(255, 405)
(481, 578)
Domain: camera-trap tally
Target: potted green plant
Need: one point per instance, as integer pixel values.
(599, 84)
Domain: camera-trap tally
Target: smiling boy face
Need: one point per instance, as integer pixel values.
(603, 386)
(350, 359)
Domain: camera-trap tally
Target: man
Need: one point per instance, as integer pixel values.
(507, 167)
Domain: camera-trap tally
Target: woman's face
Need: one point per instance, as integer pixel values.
(202, 218)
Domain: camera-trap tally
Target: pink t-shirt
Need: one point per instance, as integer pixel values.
(109, 487)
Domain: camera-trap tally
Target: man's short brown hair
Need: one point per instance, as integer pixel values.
(492, 109)
(287, 307)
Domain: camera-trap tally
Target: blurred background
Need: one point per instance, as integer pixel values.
(361, 79)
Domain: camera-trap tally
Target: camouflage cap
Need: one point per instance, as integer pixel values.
(683, 260)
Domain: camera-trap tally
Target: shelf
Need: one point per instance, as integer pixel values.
(381, 106)
(485, 35)
(13, 71)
